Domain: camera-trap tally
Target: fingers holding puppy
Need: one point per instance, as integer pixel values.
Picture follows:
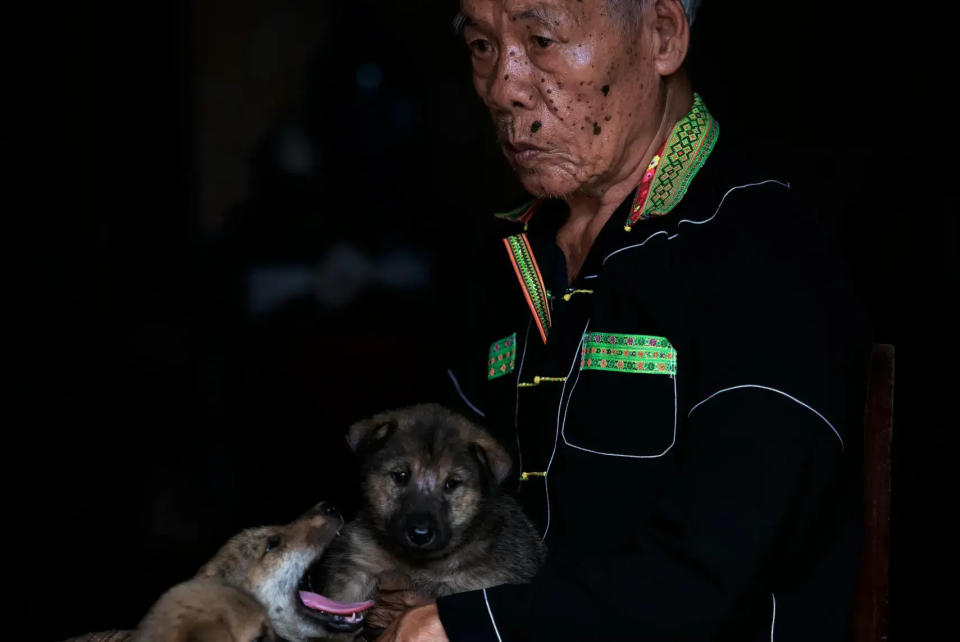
(397, 595)
(420, 624)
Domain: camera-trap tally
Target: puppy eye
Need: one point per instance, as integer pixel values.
(274, 542)
(401, 477)
(329, 509)
(451, 484)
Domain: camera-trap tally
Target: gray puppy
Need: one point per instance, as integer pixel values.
(433, 511)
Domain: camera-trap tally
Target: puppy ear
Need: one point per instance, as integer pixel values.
(368, 435)
(492, 457)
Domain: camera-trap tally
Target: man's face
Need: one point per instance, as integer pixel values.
(570, 88)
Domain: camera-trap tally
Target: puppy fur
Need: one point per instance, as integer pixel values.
(433, 510)
(270, 562)
(204, 610)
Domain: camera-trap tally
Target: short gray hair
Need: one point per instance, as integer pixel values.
(691, 6)
(629, 10)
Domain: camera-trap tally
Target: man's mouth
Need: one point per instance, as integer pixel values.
(523, 153)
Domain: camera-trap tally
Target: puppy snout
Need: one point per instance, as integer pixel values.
(421, 529)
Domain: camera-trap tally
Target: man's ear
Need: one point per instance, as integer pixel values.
(492, 457)
(368, 435)
(672, 32)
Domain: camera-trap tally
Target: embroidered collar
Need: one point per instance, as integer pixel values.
(668, 175)
(672, 169)
(664, 184)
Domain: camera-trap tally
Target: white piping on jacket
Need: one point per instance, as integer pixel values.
(556, 437)
(516, 404)
(563, 432)
(456, 384)
(779, 392)
(492, 621)
(706, 220)
(773, 620)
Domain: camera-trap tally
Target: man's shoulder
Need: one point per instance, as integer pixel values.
(738, 167)
(772, 302)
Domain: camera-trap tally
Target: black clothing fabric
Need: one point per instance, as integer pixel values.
(719, 503)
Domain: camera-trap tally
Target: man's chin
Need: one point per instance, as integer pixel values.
(547, 184)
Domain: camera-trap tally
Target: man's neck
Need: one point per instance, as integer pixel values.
(591, 209)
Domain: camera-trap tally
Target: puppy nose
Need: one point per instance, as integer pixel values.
(421, 530)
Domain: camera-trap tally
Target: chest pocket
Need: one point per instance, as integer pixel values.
(623, 402)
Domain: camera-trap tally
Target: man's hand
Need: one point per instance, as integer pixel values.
(397, 596)
(420, 624)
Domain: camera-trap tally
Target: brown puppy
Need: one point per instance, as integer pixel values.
(204, 610)
(432, 510)
(272, 563)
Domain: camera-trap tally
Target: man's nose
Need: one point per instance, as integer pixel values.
(510, 88)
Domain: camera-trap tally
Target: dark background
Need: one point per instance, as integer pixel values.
(229, 222)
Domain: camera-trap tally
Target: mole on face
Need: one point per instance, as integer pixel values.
(605, 89)
(596, 129)
(534, 127)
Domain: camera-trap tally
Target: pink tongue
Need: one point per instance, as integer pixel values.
(320, 603)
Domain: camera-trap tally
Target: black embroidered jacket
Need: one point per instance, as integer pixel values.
(688, 437)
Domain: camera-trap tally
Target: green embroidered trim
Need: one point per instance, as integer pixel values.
(686, 150)
(528, 476)
(638, 353)
(503, 355)
(531, 281)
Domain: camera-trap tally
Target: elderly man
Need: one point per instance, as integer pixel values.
(667, 344)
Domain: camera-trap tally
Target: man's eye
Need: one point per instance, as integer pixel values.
(480, 45)
(542, 42)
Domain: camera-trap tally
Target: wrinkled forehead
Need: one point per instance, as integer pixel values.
(500, 14)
